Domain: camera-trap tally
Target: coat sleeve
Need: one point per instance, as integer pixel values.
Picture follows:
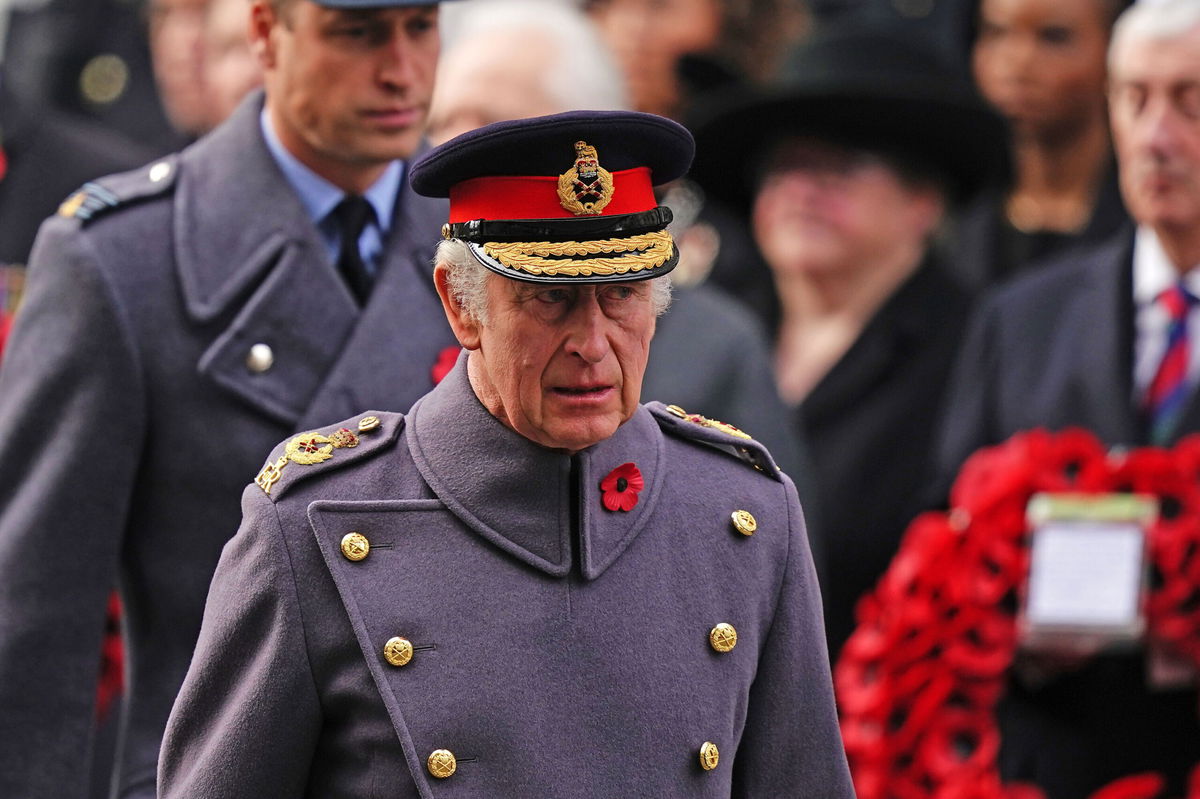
(71, 430)
(792, 744)
(247, 719)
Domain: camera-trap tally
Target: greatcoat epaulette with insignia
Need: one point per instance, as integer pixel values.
(721, 435)
(318, 451)
(98, 197)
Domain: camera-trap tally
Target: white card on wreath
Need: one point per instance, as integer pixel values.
(1088, 571)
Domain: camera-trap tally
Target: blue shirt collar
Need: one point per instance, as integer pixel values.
(318, 196)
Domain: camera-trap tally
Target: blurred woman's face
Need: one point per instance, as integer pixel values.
(824, 210)
(1042, 62)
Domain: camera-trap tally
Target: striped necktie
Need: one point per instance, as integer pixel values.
(1169, 390)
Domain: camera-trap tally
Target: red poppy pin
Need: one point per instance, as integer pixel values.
(621, 488)
(444, 363)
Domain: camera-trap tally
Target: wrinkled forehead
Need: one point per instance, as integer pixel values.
(1152, 54)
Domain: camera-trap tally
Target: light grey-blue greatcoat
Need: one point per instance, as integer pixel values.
(561, 649)
(129, 422)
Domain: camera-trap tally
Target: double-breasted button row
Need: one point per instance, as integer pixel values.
(442, 763)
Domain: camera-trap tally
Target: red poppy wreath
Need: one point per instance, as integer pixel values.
(919, 679)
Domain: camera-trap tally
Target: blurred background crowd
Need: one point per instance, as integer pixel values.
(837, 246)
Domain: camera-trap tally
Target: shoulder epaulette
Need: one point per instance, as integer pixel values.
(721, 435)
(319, 451)
(98, 197)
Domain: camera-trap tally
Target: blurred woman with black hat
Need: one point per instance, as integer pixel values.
(849, 169)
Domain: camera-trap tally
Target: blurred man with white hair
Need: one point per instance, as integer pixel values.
(1107, 339)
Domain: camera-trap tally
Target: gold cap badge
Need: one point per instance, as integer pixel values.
(587, 187)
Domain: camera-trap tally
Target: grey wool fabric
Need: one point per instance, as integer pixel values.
(130, 420)
(560, 649)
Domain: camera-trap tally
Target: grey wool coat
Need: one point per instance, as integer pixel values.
(130, 420)
(559, 649)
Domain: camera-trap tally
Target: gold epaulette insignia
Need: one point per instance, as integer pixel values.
(307, 449)
(704, 421)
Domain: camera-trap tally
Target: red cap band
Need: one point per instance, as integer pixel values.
(536, 197)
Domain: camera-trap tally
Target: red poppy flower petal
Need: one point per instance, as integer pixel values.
(613, 496)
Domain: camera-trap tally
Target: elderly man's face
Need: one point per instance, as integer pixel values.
(1155, 109)
(560, 364)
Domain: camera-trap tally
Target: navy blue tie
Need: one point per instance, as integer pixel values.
(353, 213)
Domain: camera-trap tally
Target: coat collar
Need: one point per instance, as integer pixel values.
(217, 253)
(926, 306)
(519, 495)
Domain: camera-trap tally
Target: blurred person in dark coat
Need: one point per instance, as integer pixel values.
(1042, 64)
(850, 169)
(507, 59)
(1104, 337)
(530, 585)
(178, 320)
(48, 153)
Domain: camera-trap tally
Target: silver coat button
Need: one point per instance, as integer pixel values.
(160, 172)
(260, 359)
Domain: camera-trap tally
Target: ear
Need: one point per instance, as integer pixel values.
(260, 26)
(465, 327)
(927, 208)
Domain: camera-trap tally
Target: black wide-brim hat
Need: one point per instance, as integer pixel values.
(562, 198)
(871, 89)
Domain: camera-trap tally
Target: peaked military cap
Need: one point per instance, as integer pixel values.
(562, 198)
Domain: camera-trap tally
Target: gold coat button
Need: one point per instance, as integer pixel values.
(744, 522)
(355, 546)
(709, 756)
(398, 651)
(368, 423)
(260, 358)
(441, 763)
(723, 637)
(675, 410)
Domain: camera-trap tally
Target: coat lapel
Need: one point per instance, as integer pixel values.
(1103, 316)
(254, 266)
(250, 261)
(904, 322)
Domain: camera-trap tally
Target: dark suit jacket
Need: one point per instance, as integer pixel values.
(1054, 350)
(129, 422)
(561, 650)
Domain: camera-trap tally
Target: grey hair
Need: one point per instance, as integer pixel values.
(1153, 19)
(585, 70)
(468, 281)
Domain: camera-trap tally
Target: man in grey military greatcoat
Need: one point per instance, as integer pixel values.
(529, 585)
(179, 320)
